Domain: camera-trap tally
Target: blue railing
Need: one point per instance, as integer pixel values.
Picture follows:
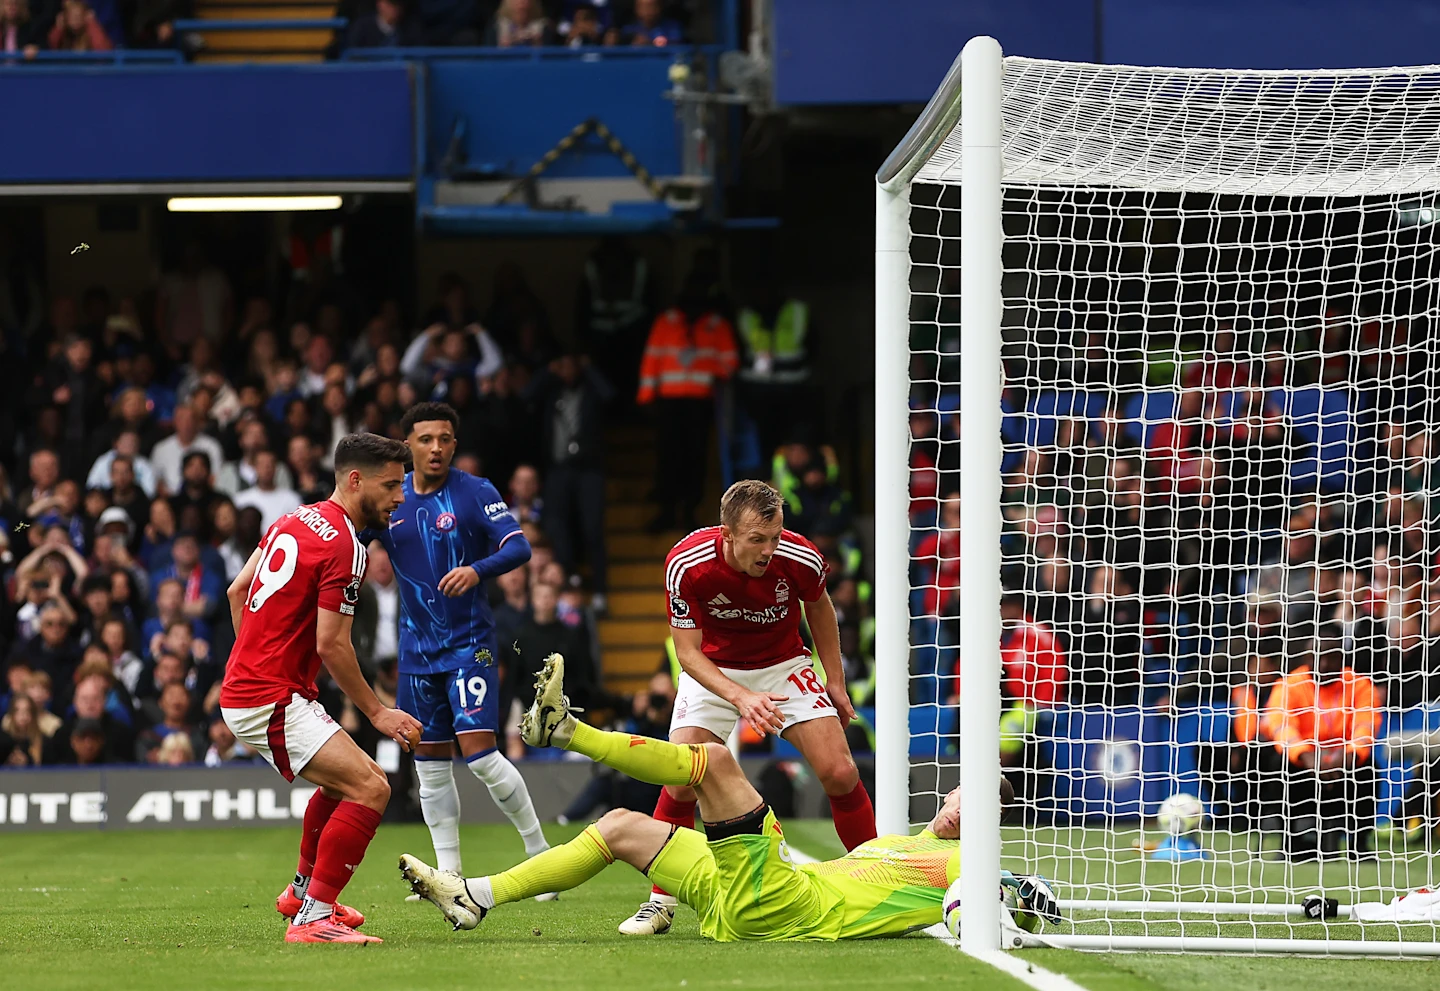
(554, 53)
(119, 56)
(263, 24)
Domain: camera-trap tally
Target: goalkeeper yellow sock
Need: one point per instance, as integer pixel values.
(641, 757)
(558, 869)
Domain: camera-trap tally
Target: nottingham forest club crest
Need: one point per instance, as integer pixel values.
(445, 522)
(782, 591)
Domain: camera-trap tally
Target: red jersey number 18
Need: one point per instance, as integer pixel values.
(809, 685)
(272, 575)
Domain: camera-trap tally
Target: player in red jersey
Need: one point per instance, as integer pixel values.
(292, 605)
(735, 595)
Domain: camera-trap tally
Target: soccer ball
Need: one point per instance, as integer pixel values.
(1180, 814)
(1009, 897)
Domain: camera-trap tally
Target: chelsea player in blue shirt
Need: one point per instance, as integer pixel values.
(452, 532)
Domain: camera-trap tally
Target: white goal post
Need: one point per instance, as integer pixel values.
(1211, 293)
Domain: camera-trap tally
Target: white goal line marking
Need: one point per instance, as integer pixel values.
(1022, 970)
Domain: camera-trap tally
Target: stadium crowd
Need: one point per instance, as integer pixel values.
(155, 440)
(154, 444)
(1205, 554)
(31, 26)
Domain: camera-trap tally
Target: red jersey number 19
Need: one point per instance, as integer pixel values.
(271, 574)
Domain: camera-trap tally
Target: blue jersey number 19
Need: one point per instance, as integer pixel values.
(477, 689)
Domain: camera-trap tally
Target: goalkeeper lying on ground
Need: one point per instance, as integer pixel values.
(739, 875)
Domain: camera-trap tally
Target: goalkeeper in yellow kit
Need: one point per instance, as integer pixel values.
(739, 875)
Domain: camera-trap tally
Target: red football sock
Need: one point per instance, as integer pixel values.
(672, 810)
(317, 814)
(854, 816)
(342, 847)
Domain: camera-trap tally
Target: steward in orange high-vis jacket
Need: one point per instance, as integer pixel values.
(690, 352)
(1323, 720)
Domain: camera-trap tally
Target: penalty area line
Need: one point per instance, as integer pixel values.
(1022, 970)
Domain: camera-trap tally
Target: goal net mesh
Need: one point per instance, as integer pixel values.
(1220, 495)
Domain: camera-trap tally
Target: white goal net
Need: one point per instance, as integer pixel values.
(1216, 448)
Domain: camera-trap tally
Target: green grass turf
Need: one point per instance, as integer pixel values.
(185, 909)
(195, 909)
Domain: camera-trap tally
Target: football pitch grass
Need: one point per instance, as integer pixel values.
(195, 909)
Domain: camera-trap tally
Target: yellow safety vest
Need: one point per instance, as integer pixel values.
(782, 346)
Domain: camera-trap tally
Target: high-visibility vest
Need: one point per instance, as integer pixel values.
(683, 361)
(609, 315)
(1302, 713)
(783, 345)
(1245, 714)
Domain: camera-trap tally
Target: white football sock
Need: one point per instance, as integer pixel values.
(299, 886)
(440, 805)
(311, 910)
(480, 891)
(669, 901)
(508, 790)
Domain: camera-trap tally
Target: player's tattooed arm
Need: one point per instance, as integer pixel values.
(825, 629)
(240, 588)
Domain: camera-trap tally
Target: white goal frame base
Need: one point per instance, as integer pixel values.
(1256, 945)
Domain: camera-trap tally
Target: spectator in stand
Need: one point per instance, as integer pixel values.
(572, 396)
(176, 750)
(130, 411)
(510, 613)
(22, 741)
(651, 27)
(450, 22)
(523, 495)
(377, 614)
(818, 502)
(774, 375)
(202, 589)
(193, 300)
(77, 29)
(272, 501)
(543, 634)
(333, 422)
(86, 745)
(319, 352)
(125, 492)
(240, 474)
(224, 518)
(282, 384)
(175, 706)
(517, 319)
(613, 311)
(1106, 650)
(169, 609)
(91, 696)
(225, 749)
(53, 649)
(387, 27)
(306, 475)
(39, 495)
(1324, 719)
(442, 352)
(117, 637)
(40, 689)
(196, 499)
(70, 383)
(20, 34)
(169, 454)
(690, 351)
(588, 26)
(519, 23)
(1033, 676)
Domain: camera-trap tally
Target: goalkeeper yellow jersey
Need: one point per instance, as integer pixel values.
(888, 886)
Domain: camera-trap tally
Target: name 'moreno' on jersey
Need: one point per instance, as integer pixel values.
(462, 522)
(745, 622)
